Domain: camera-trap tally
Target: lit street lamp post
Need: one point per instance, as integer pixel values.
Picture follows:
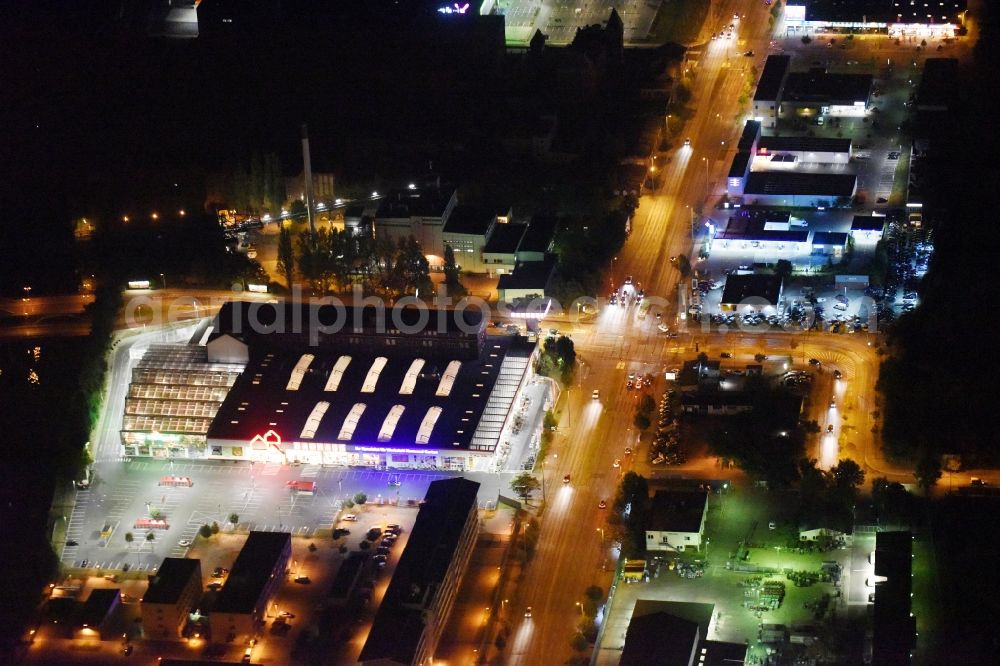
(163, 280)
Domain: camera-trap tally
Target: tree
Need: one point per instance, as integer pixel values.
(566, 353)
(847, 477)
(684, 265)
(360, 498)
(349, 504)
(927, 471)
(812, 483)
(297, 209)
(129, 538)
(452, 274)
(806, 39)
(578, 643)
(234, 518)
(783, 268)
(205, 531)
(524, 484)
(641, 421)
(647, 405)
(411, 269)
(150, 537)
(215, 527)
(594, 593)
(286, 255)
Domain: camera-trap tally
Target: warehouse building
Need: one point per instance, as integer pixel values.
(894, 628)
(820, 190)
(255, 577)
(421, 594)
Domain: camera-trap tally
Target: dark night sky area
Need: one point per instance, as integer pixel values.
(98, 119)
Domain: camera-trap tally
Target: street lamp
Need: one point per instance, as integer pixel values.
(163, 280)
(27, 292)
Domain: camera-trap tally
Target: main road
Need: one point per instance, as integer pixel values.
(573, 549)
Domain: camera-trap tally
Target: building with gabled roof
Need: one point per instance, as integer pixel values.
(676, 520)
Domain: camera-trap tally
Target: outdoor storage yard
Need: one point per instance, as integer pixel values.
(753, 577)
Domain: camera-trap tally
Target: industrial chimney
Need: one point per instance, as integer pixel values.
(307, 175)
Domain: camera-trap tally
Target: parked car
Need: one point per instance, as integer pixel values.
(603, 504)
(566, 478)
(350, 518)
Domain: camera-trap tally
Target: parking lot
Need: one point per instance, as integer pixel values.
(125, 492)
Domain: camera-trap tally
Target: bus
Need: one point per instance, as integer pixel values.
(175, 481)
(151, 524)
(303, 487)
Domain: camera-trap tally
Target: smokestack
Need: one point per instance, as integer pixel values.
(307, 175)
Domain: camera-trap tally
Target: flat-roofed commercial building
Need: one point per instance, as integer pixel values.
(775, 151)
(820, 93)
(257, 573)
(829, 242)
(420, 596)
(758, 292)
(408, 389)
(97, 616)
(762, 230)
(170, 597)
(466, 231)
(780, 188)
(421, 212)
(867, 228)
(767, 96)
(375, 387)
(897, 18)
